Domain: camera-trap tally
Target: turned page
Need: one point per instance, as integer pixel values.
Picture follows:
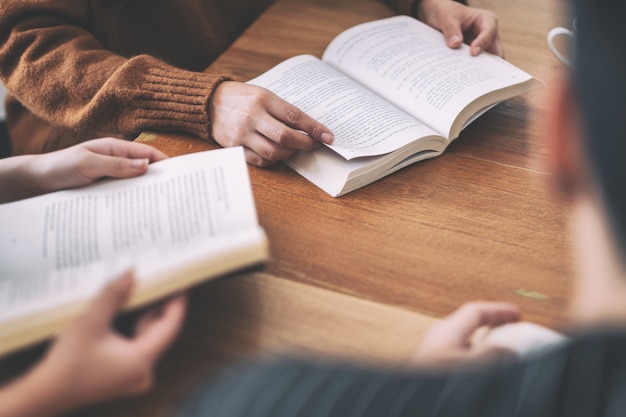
(63, 246)
(362, 122)
(408, 63)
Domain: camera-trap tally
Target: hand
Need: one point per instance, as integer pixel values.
(479, 28)
(90, 362)
(30, 175)
(449, 341)
(89, 161)
(269, 128)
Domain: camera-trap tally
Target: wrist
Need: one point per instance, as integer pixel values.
(18, 178)
(38, 393)
(212, 104)
(35, 175)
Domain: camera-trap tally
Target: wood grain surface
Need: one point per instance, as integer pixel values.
(361, 276)
(480, 222)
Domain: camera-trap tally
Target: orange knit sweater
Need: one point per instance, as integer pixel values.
(79, 69)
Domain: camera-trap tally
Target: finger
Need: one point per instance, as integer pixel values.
(286, 136)
(124, 148)
(486, 29)
(451, 29)
(255, 159)
(156, 333)
(152, 314)
(461, 324)
(109, 302)
(99, 166)
(484, 42)
(496, 48)
(297, 119)
(262, 152)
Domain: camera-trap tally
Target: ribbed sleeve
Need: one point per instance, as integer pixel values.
(146, 94)
(70, 81)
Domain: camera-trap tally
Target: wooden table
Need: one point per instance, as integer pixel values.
(361, 276)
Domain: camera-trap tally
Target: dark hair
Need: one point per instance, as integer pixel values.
(600, 84)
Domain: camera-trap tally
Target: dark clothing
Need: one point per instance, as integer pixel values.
(5, 143)
(586, 378)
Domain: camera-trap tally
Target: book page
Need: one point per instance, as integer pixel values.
(333, 174)
(363, 124)
(64, 245)
(408, 63)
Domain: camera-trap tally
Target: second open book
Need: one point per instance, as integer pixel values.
(393, 94)
(188, 219)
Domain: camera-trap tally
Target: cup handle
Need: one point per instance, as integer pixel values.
(558, 31)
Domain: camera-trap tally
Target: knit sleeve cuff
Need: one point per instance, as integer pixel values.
(171, 99)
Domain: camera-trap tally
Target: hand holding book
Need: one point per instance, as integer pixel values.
(188, 219)
(393, 93)
(458, 23)
(83, 164)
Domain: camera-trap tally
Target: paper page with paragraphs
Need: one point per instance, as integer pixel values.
(363, 123)
(66, 245)
(408, 64)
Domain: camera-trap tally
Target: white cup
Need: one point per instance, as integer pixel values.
(552, 35)
(3, 93)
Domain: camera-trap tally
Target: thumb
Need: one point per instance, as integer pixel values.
(109, 302)
(116, 167)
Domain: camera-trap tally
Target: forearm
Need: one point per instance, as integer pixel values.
(61, 72)
(35, 394)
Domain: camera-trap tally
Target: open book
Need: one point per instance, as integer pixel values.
(188, 219)
(393, 94)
